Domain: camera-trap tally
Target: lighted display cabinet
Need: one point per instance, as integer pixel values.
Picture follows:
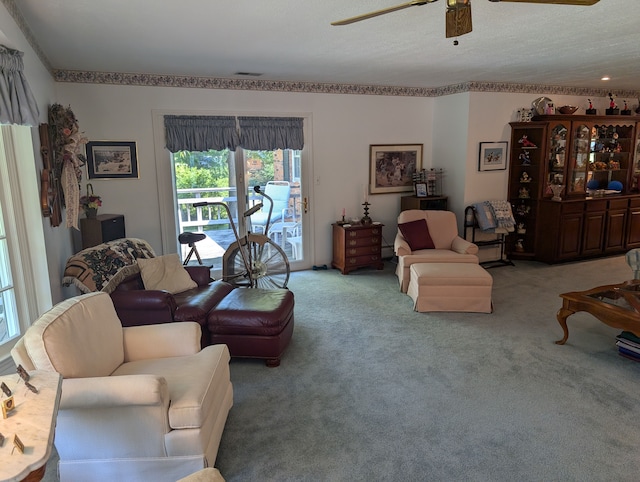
(593, 164)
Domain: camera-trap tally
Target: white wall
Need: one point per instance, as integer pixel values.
(343, 127)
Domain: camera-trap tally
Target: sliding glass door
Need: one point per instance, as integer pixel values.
(229, 177)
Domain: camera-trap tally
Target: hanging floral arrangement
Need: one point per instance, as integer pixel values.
(67, 143)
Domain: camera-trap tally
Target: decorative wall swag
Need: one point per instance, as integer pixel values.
(66, 152)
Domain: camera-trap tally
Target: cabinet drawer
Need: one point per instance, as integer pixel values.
(593, 206)
(572, 208)
(618, 203)
(353, 242)
(365, 250)
(363, 233)
(634, 202)
(362, 260)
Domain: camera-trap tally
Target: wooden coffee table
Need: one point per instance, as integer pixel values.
(615, 305)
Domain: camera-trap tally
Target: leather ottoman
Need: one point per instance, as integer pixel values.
(450, 287)
(254, 323)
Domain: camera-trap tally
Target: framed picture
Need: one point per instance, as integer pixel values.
(421, 189)
(112, 160)
(392, 166)
(493, 156)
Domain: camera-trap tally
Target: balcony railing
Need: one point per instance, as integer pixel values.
(215, 217)
(202, 217)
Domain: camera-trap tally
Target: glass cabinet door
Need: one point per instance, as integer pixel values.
(556, 157)
(635, 181)
(577, 169)
(610, 158)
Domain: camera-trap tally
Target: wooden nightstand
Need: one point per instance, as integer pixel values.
(357, 246)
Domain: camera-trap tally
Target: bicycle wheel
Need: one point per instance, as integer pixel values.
(269, 263)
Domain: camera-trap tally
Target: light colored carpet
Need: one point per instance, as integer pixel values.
(370, 390)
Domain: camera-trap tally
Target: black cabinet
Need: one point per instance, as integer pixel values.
(102, 228)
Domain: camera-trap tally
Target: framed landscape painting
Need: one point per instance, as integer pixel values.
(392, 167)
(112, 160)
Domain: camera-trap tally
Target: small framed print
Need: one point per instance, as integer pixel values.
(17, 443)
(421, 189)
(7, 405)
(493, 156)
(112, 160)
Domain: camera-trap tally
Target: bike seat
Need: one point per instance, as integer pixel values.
(190, 238)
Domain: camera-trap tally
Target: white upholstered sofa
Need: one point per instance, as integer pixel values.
(448, 246)
(138, 403)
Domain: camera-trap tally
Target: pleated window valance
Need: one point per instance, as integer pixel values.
(202, 133)
(269, 133)
(17, 103)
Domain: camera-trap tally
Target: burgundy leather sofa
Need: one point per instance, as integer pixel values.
(253, 322)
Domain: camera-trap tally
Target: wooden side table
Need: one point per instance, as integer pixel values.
(102, 228)
(33, 420)
(357, 246)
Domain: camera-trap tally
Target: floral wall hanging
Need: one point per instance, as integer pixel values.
(67, 153)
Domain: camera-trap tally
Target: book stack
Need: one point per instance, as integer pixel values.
(628, 345)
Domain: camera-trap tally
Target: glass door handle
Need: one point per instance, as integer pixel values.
(305, 205)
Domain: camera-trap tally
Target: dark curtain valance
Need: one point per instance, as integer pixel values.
(200, 133)
(269, 133)
(17, 103)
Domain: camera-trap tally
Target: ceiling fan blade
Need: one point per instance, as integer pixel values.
(458, 20)
(365, 16)
(584, 3)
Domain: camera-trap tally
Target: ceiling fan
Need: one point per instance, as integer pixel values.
(458, 14)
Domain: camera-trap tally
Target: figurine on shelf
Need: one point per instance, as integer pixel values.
(520, 245)
(526, 142)
(521, 229)
(523, 193)
(525, 160)
(613, 108)
(525, 178)
(626, 110)
(556, 189)
(591, 110)
(523, 210)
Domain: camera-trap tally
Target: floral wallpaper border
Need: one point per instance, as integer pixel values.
(156, 80)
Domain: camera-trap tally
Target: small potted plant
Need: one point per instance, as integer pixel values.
(90, 203)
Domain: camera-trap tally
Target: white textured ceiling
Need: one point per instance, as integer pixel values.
(293, 40)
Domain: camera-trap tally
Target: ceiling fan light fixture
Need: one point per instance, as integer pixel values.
(458, 18)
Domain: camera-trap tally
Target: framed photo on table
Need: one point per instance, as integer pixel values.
(391, 167)
(421, 189)
(493, 156)
(112, 160)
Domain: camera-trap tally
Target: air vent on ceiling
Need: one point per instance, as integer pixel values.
(249, 74)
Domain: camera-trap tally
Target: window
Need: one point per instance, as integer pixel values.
(25, 292)
(9, 328)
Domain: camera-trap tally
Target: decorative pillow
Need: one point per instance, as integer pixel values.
(165, 273)
(417, 234)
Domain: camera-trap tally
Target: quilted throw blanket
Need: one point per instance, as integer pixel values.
(494, 216)
(103, 267)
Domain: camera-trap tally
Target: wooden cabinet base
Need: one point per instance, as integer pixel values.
(357, 246)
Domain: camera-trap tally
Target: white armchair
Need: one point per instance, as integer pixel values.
(138, 403)
(448, 246)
